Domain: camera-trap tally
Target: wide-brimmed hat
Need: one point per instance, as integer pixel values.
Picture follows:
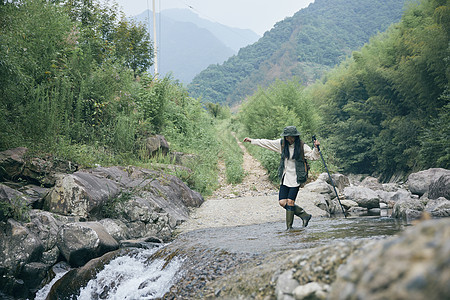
(290, 131)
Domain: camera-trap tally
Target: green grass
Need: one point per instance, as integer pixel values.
(231, 153)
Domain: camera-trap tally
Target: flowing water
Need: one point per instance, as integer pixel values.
(196, 257)
(261, 238)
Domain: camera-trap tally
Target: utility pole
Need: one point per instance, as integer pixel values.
(155, 51)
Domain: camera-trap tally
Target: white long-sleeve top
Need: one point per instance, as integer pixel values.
(289, 175)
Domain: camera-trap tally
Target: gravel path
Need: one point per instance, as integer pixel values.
(251, 202)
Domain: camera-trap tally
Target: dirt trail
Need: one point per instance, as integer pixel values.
(251, 202)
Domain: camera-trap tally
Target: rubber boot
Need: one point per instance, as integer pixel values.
(289, 219)
(299, 212)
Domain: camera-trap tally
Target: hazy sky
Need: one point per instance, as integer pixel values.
(257, 15)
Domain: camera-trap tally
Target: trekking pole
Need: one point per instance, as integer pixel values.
(331, 179)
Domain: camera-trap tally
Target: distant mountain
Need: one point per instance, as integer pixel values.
(234, 38)
(305, 45)
(187, 44)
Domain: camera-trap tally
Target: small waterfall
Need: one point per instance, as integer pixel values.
(140, 274)
(133, 277)
(60, 269)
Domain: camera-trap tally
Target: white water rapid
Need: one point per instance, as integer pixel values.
(133, 276)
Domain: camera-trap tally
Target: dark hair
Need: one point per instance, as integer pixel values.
(297, 150)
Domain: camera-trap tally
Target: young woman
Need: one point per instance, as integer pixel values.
(292, 170)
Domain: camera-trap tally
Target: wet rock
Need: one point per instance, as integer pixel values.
(419, 183)
(417, 261)
(33, 274)
(365, 197)
(147, 242)
(83, 241)
(79, 194)
(440, 188)
(70, 284)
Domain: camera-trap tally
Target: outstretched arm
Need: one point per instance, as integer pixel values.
(273, 145)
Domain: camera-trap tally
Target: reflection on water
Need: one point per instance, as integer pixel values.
(270, 237)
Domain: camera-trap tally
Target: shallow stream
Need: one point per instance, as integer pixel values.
(193, 259)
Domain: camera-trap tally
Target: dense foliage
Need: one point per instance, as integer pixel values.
(73, 83)
(314, 40)
(386, 109)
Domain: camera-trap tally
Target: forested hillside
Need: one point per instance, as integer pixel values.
(73, 84)
(384, 111)
(306, 45)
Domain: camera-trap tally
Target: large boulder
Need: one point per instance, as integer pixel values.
(419, 183)
(371, 183)
(340, 181)
(18, 248)
(364, 196)
(157, 144)
(414, 265)
(20, 197)
(439, 207)
(159, 183)
(116, 228)
(408, 209)
(45, 226)
(12, 163)
(390, 198)
(79, 194)
(319, 187)
(82, 241)
(143, 217)
(70, 284)
(314, 204)
(12, 202)
(440, 188)
(44, 170)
